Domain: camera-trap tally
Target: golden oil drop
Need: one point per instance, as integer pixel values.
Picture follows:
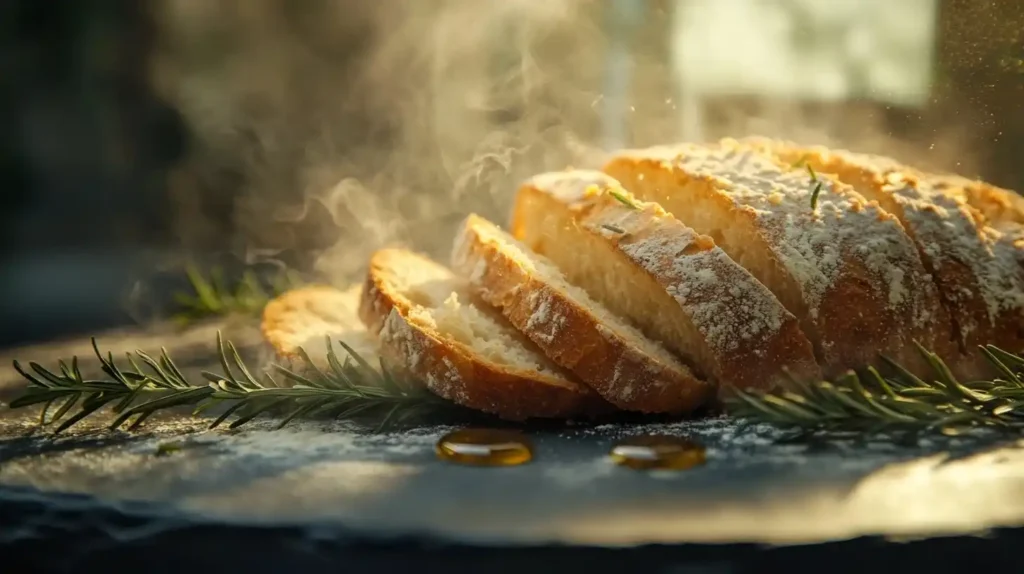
(658, 452)
(485, 447)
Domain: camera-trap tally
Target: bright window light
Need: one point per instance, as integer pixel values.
(823, 50)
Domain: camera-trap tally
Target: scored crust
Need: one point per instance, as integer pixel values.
(571, 328)
(448, 367)
(978, 281)
(675, 284)
(846, 268)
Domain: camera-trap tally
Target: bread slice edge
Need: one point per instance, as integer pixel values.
(449, 367)
(575, 331)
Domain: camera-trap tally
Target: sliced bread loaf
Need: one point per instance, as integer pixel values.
(844, 267)
(978, 281)
(612, 357)
(464, 351)
(673, 283)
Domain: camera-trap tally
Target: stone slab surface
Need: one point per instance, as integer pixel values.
(759, 484)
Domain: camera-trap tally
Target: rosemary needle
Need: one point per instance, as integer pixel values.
(623, 199)
(814, 196)
(817, 185)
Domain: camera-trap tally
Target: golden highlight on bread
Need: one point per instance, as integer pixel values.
(845, 268)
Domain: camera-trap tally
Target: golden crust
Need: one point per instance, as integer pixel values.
(852, 300)
(978, 284)
(299, 315)
(453, 371)
(746, 338)
(999, 206)
(568, 332)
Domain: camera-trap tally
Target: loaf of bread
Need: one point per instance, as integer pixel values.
(845, 267)
(977, 276)
(676, 272)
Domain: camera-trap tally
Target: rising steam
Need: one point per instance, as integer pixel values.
(343, 126)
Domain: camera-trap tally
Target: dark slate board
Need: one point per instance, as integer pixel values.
(312, 486)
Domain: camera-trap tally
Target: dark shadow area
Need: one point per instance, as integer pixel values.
(82, 538)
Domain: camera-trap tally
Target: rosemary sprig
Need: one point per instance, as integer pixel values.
(618, 195)
(817, 186)
(346, 389)
(869, 400)
(814, 195)
(212, 297)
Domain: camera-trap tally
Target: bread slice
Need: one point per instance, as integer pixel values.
(675, 284)
(428, 324)
(612, 357)
(978, 281)
(303, 318)
(845, 268)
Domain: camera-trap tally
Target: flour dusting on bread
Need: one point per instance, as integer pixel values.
(676, 285)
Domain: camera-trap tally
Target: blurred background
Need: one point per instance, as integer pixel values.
(305, 133)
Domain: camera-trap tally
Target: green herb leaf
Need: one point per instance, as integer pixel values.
(814, 196)
(623, 199)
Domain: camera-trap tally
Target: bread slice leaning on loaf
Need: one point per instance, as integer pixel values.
(429, 326)
(979, 282)
(612, 357)
(673, 283)
(844, 267)
(303, 319)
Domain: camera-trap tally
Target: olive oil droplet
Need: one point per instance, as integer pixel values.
(485, 447)
(658, 452)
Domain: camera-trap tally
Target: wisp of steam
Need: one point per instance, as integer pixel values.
(336, 127)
